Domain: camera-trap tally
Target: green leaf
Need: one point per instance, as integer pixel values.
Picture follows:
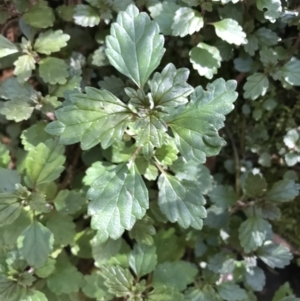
(181, 201)
(275, 256)
(35, 16)
(252, 44)
(17, 110)
(66, 12)
(24, 66)
(169, 88)
(107, 118)
(51, 41)
(290, 71)
(118, 197)
(207, 293)
(10, 208)
(231, 292)
(253, 232)
(69, 201)
(9, 289)
(119, 281)
(44, 163)
(7, 47)
(205, 59)
(186, 22)
(163, 14)
(221, 263)
(143, 259)
(133, 35)
(33, 295)
(177, 274)
(257, 85)
(47, 269)
(62, 228)
(255, 185)
(35, 244)
(255, 278)
(272, 9)
(143, 230)
(53, 71)
(99, 58)
(230, 31)
(283, 191)
(9, 179)
(195, 127)
(223, 196)
(164, 293)
(86, 16)
(266, 37)
(167, 154)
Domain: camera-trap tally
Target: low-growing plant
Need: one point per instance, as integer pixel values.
(109, 111)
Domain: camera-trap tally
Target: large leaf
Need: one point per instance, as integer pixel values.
(35, 244)
(6, 47)
(118, 197)
(255, 278)
(134, 46)
(181, 201)
(283, 191)
(196, 125)
(231, 292)
(91, 118)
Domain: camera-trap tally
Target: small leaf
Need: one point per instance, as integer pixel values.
(231, 292)
(51, 41)
(24, 66)
(272, 9)
(7, 47)
(164, 293)
(17, 110)
(230, 31)
(255, 185)
(10, 208)
(167, 154)
(181, 201)
(205, 59)
(143, 231)
(186, 22)
(266, 37)
(257, 85)
(69, 201)
(9, 179)
(33, 295)
(223, 196)
(252, 44)
(255, 278)
(283, 191)
(53, 71)
(35, 244)
(133, 35)
(86, 16)
(143, 259)
(290, 71)
(119, 197)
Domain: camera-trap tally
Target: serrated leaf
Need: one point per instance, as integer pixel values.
(143, 259)
(143, 230)
(9, 179)
(133, 35)
(86, 16)
(221, 263)
(164, 293)
(37, 202)
(33, 295)
(36, 244)
(47, 269)
(24, 66)
(167, 154)
(51, 41)
(253, 232)
(177, 274)
(44, 163)
(195, 127)
(181, 201)
(9, 289)
(272, 9)
(231, 292)
(255, 185)
(290, 71)
(17, 110)
(257, 85)
(205, 59)
(53, 70)
(35, 16)
(266, 37)
(107, 119)
(252, 44)
(7, 47)
(207, 293)
(283, 191)
(223, 196)
(163, 14)
(10, 208)
(255, 278)
(270, 211)
(69, 201)
(99, 58)
(118, 197)
(230, 31)
(66, 12)
(275, 256)
(169, 88)
(186, 21)
(119, 281)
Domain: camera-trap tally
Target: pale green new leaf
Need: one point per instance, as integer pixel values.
(255, 185)
(10, 208)
(170, 88)
(181, 201)
(167, 154)
(91, 118)
(272, 9)
(53, 71)
(33, 295)
(176, 274)
(44, 163)
(17, 110)
(253, 232)
(24, 66)
(186, 21)
(36, 244)
(143, 259)
(131, 37)
(86, 16)
(47, 269)
(230, 31)
(6, 47)
(118, 197)
(164, 293)
(283, 191)
(205, 59)
(223, 196)
(255, 278)
(275, 256)
(290, 71)
(231, 292)
(51, 41)
(195, 126)
(257, 85)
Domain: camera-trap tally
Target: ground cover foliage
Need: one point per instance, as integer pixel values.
(109, 111)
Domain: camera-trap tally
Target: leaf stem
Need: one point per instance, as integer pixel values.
(157, 164)
(135, 154)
